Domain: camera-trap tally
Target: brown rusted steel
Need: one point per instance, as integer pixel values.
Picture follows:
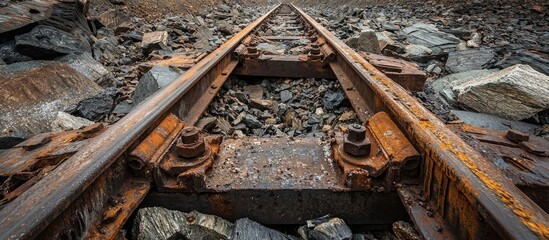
(356, 143)
(406, 74)
(284, 66)
(526, 169)
(196, 110)
(391, 155)
(183, 174)
(431, 225)
(463, 181)
(279, 179)
(29, 161)
(155, 144)
(57, 191)
(191, 144)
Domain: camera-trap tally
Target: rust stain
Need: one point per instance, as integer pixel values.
(515, 206)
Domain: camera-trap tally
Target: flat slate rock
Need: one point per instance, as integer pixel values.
(466, 60)
(429, 36)
(157, 223)
(160, 223)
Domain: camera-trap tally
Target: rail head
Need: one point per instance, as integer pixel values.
(36, 208)
(517, 215)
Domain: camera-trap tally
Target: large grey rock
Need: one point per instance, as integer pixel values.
(415, 51)
(154, 41)
(475, 59)
(384, 38)
(514, 93)
(106, 47)
(335, 229)
(97, 107)
(155, 79)
(89, 67)
(66, 122)
(160, 223)
(443, 86)
(366, 41)
(246, 229)
(204, 226)
(326, 227)
(31, 94)
(429, 36)
(157, 223)
(45, 42)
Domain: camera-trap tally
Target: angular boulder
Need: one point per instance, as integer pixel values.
(155, 79)
(89, 67)
(429, 36)
(31, 94)
(161, 223)
(45, 42)
(154, 41)
(368, 42)
(514, 93)
(66, 122)
(443, 86)
(475, 59)
(97, 107)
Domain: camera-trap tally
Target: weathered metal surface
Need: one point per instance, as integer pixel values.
(280, 180)
(278, 163)
(476, 185)
(391, 153)
(28, 162)
(356, 143)
(288, 206)
(406, 74)
(143, 157)
(202, 103)
(178, 60)
(528, 170)
(284, 66)
(430, 224)
(73, 177)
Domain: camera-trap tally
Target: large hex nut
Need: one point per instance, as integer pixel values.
(191, 143)
(357, 148)
(191, 150)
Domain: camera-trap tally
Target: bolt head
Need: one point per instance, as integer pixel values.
(357, 149)
(357, 133)
(190, 135)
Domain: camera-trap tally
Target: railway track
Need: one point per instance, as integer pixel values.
(400, 163)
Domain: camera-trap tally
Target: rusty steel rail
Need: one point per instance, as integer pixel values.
(92, 194)
(506, 208)
(36, 208)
